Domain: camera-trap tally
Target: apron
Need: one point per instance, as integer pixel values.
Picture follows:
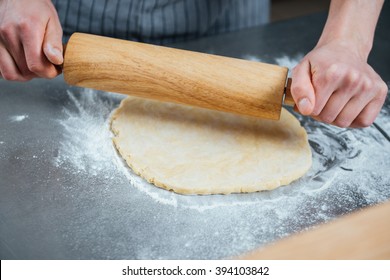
(160, 21)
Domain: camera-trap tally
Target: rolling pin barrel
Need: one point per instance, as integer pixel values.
(172, 75)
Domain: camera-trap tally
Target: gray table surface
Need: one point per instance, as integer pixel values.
(65, 193)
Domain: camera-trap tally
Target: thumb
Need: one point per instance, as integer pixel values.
(302, 89)
(52, 44)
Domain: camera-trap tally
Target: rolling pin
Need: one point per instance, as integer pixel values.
(179, 76)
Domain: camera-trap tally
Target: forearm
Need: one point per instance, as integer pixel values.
(352, 22)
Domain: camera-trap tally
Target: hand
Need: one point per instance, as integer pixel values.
(334, 84)
(30, 40)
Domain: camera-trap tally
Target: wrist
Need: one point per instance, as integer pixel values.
(360, 47)
(351, 24)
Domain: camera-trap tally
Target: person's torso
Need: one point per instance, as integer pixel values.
(160, 21)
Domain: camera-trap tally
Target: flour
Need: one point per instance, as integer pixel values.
(289, 62)
(343, 178)
(87, 146)
(18, 118)
(252, 58)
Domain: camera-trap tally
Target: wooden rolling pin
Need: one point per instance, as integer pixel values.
(172, 75)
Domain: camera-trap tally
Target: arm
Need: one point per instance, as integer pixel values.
(30, 39)
(333, 83)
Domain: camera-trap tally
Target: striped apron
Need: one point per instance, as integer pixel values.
(160, 21)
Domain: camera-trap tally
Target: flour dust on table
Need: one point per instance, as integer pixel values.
(18, 118)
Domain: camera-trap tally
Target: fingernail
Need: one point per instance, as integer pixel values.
(56, 53)
(304, 105)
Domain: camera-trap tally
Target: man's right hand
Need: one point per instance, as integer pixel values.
(30, 40)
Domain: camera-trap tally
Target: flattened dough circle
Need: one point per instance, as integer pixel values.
(198, 151)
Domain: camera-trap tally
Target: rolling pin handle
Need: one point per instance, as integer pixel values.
(288, 99)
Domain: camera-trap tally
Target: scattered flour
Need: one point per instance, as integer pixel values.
(289, 62)
(18, 118)
(252, 58)
(87, 146)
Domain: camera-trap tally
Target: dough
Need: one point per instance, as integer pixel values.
(198, 151)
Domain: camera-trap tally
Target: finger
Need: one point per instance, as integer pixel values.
(334, 106)
(325, 84)
(35, 58)
(351, 111)
(12, 44)
(21, 62)
(302, 89)
(9, 69)
(371, 111)
(368, 115)
(52, 44)
(316, 118)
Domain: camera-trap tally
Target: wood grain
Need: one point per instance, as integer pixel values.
(172, 75)
(364, 234)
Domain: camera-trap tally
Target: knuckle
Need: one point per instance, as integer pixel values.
(10, 76)
(369, 95)
(363, 122)
(352, 78)
(51, 75)
(3, 28)
(28, 24)
(297, 89)
(41, 70)
(333, 72)
(383, 88)
(24, 26)
(327, 118)
(343, 123)
(24, 71)
(36, 68)
(380, 98)
(6, 32)
(316, 112)
(379, 92)
(367, 84)
(10, 28)
(377, 105)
